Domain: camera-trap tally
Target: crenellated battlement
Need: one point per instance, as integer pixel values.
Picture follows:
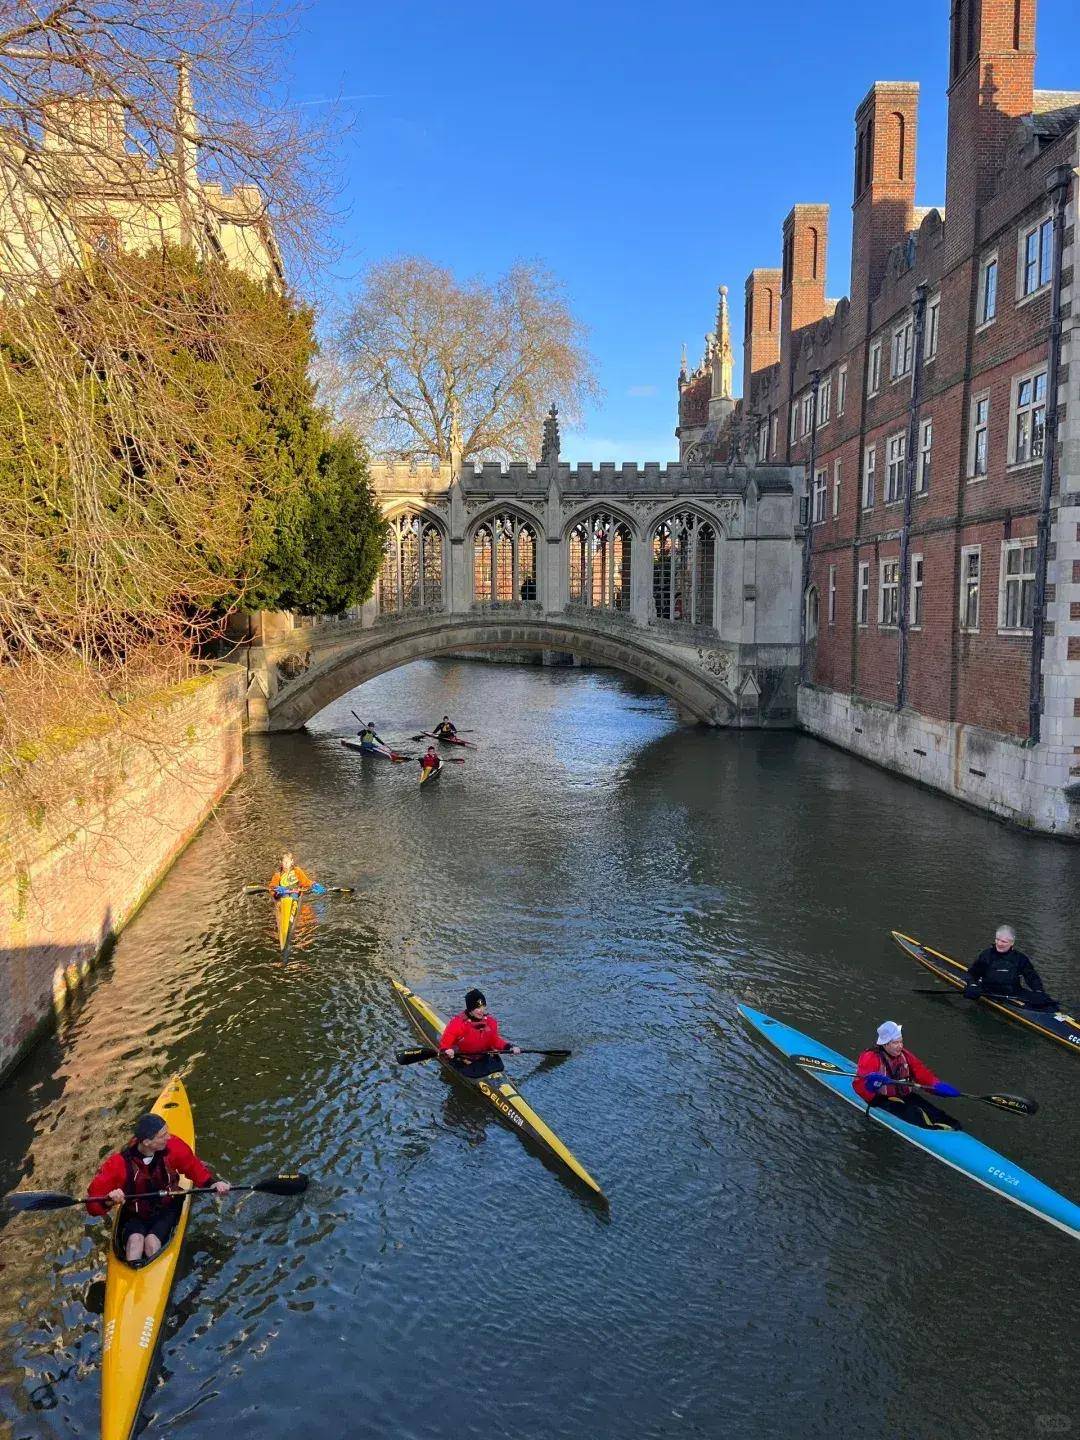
(608, 478)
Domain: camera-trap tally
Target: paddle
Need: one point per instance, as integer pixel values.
(1015, 1104)
(413, 1057)
(430, 735)
(325, 890)
(21, 1200)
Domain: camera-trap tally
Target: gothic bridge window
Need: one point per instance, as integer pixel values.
(504, 560)
(684, 569)
(600, 562)
(412, 569)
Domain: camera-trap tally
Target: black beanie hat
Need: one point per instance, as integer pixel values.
(147, 1126)
(474, 998)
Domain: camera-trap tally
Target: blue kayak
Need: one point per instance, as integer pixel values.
(960, 1151)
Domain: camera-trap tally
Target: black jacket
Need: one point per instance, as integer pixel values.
(1005, 973)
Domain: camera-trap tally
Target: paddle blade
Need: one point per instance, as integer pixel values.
(1016, 1103)
(282, 1185)
(256, 889)
(412, 1057)
(38, 1200)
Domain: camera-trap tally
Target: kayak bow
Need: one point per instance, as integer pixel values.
(136, 1297)
(1054, 1024)
(287, 906)
(955, 1148)
(432, 772)
(496, 1089)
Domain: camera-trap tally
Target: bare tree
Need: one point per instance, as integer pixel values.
(426, 365)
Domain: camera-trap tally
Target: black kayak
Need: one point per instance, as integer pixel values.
(1054, 1024)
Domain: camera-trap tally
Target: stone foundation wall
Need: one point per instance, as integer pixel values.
(71, 877)
(1027, 784)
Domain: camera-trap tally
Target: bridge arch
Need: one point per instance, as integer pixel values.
(698, 688)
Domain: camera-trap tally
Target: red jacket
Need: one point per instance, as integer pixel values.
(473, 1037)
(875, 1062)
(125, 1171)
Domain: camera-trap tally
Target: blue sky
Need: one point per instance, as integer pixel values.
(645, 152)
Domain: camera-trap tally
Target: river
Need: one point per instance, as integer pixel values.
(770, 1265)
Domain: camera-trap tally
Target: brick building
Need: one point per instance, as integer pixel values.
(941, 624)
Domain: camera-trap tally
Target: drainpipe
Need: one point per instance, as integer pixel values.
(808, 535)
(1058, 184)
(918, 310)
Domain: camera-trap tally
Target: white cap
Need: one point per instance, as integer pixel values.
(887, 1031)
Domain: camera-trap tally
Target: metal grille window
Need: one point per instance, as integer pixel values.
(895, 452)
(684, 570)
(1038, 257)
(1017, 585)
(1029, 418)
(889, 594)
(504, 560)
(970, 566)
(600, 562)
(412, 569)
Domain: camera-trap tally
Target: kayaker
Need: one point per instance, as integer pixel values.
(472, 1040)
(430, 759)
(289, 876)
(881, 1072)
(152, 1160)
(1001, 969)
(446, 729)
(370, 738)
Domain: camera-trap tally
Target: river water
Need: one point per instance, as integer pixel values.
(770, 1264)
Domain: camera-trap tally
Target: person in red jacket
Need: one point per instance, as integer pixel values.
(882, 1071)
(152, 1160)
(472, 1040)
(430, 759)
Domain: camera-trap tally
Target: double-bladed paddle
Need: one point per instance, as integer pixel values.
(1015, 1104)
(20, 1200)
(325, 890)
(413, 1057)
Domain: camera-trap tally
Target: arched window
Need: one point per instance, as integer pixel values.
(684, 570)
(811, 614)
(901, 134)
(814, 243)
(600, 562)
(412, 569)
(504, 561)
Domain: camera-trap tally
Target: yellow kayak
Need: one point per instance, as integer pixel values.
(287, 907)
(496, 1089)
(136, 1297)
(432, 773)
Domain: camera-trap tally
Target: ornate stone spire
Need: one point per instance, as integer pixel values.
(722, 355)
(549, 449)
(684, 373)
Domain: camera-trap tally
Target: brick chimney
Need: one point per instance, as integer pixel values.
(883, 211)
(761, 338)
(806, 239)
(991, 84)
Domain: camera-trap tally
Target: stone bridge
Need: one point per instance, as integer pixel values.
(687, 576)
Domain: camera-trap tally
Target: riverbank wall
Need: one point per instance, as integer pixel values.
(74, 872)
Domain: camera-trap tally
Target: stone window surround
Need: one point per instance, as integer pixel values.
(862, 606)
(841, 389)
(965, 552)
(832, 595)
(902, 350)
(1014, 415)
(820, 504)
(895, 462)
(925, 456)
(1025, 231)
(836, 488)
(974, 475)
(869, 476)
(873, 370)
(985, 319)
(933, 328)
(1021, 543)
(892, 563)
(915, 591)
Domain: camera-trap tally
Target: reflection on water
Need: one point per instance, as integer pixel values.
(771, 1265)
